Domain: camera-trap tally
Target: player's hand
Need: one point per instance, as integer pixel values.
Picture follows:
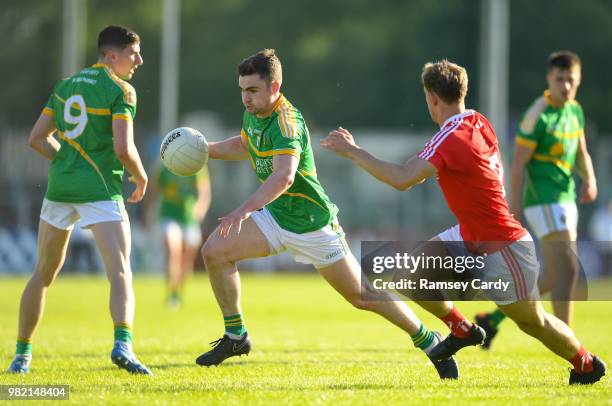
(141, 188)
(232, 221)
(339, 141)
(588, 191)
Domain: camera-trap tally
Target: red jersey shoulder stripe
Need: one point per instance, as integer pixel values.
(438, 138)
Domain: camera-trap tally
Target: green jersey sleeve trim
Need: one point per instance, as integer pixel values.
(525, 142)
(122, 116)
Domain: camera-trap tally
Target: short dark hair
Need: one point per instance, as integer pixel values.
(565, 60)
(117, 37)
(446, 79)
(265, 63)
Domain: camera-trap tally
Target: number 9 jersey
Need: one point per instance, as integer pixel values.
(86, 169)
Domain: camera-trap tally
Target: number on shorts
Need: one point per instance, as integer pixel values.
(80, 120)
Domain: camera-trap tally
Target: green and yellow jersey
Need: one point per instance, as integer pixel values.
(304, 207)
(86, 169)
(179, 195)
(553, 132)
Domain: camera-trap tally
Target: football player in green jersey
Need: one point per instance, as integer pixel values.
(183, 203)
(550, 148)
(290, 211)
(91, 113)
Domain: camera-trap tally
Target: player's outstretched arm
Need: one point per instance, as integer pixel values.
(400, 176)
(522, 155)
(125, 149)
(584, 166)
(41, 137)
(231, 149)
(283, 173)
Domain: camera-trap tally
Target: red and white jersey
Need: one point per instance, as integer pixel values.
(466, 154)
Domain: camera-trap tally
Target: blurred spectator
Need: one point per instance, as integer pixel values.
(600, 230)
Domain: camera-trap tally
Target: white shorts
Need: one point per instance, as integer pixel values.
(545, 219)
(516, 264)
(64, 215)
(320, 248)
(190, 233)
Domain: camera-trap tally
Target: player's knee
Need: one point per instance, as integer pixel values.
(213, 253)
(120, 275)
(364, 299)
(45, 278)
(359, 303)
(208, 253)
(47, 269)
(123, 273)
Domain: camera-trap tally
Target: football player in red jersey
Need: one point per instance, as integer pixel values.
(464, 155)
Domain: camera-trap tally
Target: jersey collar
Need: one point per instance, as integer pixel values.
(466, 113)
(550, 100)
(281, 100)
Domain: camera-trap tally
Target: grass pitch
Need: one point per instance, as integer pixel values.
(310, 347)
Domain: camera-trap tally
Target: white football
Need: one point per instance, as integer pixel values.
(184, 151)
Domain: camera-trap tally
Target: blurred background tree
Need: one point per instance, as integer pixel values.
(355, 62)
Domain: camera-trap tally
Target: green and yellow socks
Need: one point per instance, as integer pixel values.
(123, 334)
(424, 339)
(174, 299)
(234, 326)
(24, 347)
(495, 317)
